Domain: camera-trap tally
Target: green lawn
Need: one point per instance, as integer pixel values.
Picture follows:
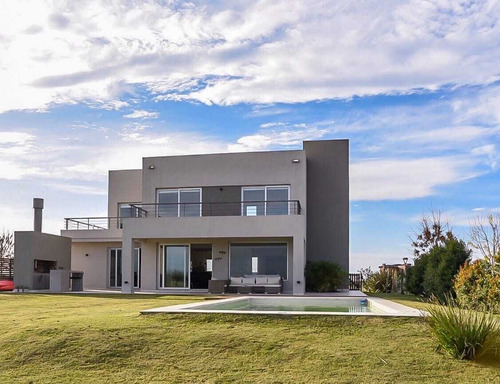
(104, 339)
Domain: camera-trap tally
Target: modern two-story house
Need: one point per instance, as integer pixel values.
(181, 221)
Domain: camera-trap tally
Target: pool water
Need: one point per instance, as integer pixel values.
(289, 304)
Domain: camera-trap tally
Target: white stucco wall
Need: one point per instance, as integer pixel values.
(95, 265)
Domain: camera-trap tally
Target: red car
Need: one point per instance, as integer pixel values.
(6, 285)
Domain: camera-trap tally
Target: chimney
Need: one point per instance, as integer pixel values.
(38, 207)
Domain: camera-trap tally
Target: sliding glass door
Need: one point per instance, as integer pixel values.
(115, 268)
(174, 263)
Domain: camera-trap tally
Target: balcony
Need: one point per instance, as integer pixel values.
(142, 211)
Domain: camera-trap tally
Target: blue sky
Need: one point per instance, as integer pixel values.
(414, 86)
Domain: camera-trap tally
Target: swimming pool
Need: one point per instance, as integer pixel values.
(292, 305)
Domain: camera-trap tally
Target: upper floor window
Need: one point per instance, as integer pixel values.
(268, 200)
(179, 202)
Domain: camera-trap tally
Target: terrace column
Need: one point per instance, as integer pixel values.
(127, 265)
(299, 263)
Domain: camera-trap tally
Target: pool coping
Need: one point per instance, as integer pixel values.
(389, 308)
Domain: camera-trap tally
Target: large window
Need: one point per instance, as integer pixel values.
(115, 267)
(259, 259)
(259, 201)
(179, 202)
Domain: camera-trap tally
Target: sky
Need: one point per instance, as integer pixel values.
(86, 87)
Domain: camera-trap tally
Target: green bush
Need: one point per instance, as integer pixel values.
(324, 276)
(477, 286)
(464, 334)
(378, 282)
(433, 272)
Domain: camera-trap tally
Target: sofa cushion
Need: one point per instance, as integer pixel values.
(261, 280)
(236, 281)
(249, 280)
(273, 280)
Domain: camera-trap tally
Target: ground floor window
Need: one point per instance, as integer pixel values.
(115, 267)
(259, 259)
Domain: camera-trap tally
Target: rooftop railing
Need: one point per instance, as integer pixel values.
(188, 209)
(91, 223)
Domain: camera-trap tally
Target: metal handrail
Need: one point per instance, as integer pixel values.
(234, 208)
(202, 209)
(90, 223)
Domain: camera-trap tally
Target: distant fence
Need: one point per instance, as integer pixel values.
(355, 281)
(6, 268)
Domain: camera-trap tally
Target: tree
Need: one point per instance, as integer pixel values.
(434, 272)
(485, 237)
(6, 245)
(432, 232)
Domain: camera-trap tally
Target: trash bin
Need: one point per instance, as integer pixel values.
(76, 281)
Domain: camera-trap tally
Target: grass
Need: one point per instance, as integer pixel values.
(104, 339)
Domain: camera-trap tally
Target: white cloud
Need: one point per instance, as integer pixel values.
(374, 259)
(255, 52)
(446, 135)
(111, 105)
(465, 218)
(142, 114)
(78, 189)
(391, 179)
(285, 136)
(10, 170)
(488, 151)
(20, 218)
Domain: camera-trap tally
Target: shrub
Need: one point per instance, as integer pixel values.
(324, 276)
(477, 286)
(464, 334)
(378, 282)
(433, 272)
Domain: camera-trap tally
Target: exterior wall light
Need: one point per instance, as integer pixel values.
(295, 161)
(151, 167)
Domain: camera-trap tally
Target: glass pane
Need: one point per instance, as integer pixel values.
(126, 210)
(187, 208)
(167, 201)
(253, 202)
(137, 266)
(264, 259)
(162, 257)
(277, 201)
(112, 268)
(118, 267)
(175, 266)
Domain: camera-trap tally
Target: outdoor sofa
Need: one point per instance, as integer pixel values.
(255, 284)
